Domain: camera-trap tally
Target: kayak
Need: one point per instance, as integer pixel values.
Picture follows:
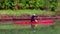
(42, 22)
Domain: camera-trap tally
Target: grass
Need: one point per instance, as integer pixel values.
(19, 12)
(40, 29)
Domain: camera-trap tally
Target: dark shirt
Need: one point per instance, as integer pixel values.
(33, 18)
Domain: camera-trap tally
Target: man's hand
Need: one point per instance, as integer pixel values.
(36, 21)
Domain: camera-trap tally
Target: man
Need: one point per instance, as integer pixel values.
(33, 19)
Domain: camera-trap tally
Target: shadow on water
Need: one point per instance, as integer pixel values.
(43, 30)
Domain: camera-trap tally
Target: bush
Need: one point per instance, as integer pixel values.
(26, 4)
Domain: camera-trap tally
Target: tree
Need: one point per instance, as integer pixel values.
(58, 8)
(47, 4)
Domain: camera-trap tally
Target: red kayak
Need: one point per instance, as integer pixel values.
(42, 22)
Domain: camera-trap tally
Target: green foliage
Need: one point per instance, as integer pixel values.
(53, 3)
(26, 3)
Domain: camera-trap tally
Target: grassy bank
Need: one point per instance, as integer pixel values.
(30, 12)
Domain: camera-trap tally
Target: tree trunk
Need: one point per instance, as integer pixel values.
(47, 5)
(17, 5)
(58, 8)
